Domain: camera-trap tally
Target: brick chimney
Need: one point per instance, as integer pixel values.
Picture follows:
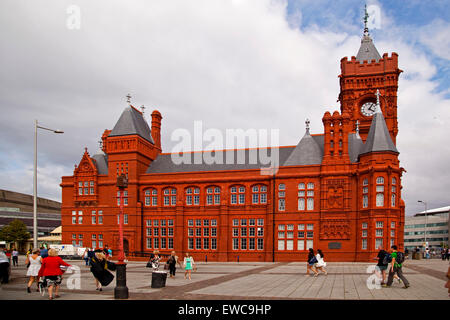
(156, 128)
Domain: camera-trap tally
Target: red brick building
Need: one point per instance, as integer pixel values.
(339, 191)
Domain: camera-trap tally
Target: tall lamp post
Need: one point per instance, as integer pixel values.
(37, 126)
(426, 219)
(121, 289)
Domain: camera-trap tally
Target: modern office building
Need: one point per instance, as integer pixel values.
(436, 224)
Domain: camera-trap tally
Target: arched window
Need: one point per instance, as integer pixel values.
(237, 195)
(212, 193)
(365, 192)
(170, 196)
(259, 194)
(151, 197)
(192, 196)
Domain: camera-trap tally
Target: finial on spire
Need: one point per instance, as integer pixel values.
(128, 98)
(357, 126)
(378, 101)
(307, 122)
(100, 144)
(366, 16)
(142, 109)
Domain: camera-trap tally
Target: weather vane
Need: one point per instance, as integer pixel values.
(366, 17)
(142, 109)
(128, 98)
(307, 122)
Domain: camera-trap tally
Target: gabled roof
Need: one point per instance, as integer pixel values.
(367, 51)
(307, 152)
(132, 122)
(101, 162)
(378, 138)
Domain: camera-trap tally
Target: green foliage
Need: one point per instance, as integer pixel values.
(16, 231)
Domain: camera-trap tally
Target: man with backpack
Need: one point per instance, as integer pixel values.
(396, 267)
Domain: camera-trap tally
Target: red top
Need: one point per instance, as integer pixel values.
(51, 266)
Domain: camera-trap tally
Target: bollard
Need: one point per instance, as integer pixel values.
(206, 259)
(238, 258)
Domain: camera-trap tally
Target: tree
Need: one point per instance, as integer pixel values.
(15, 231)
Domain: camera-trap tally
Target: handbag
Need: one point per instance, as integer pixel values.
(313, 260)
(166, 266)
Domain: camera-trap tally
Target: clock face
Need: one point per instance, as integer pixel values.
(368, 109)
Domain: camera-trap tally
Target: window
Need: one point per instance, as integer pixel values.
(94, 217)
(259, 194)
(365, 197)
(364, 244)
(237, 195)
(170, 196)
(379, 224)
(378, 242)
(281, 197)
(100, 216)
(151, 197)
(379, 232)
(305, 197)
(364, 225)
(393, 224)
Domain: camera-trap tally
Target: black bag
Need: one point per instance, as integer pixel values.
(387, 259)
(111, 265)
(400, 257)
(149, 264)
(313, 260)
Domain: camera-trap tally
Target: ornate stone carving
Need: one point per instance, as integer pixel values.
(334, 229)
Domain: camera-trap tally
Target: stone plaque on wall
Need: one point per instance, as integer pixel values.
(334, 245)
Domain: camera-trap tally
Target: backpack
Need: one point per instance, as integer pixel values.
(400, 257)
(387, 259)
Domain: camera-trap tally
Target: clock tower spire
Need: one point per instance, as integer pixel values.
(361, 77)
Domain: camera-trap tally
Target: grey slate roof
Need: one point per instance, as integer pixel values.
(164, 163)
(378, 138)
(307, 152)
(132, 122)
(101, 162)
(355, 145)
(367, 51)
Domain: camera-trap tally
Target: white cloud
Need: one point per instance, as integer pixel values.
(436, 37)
(232, 64)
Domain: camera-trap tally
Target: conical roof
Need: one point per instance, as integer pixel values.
(306, 152)
(378, 138)
(367, 50)
(132, 122)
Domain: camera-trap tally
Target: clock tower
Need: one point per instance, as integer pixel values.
(361, 77)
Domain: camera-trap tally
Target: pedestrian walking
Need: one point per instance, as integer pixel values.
(447, 253)
(447, 284)
(312, 260)
(100, 267)
(35, 261)
(406, 253)
(382, 265)
(4, 267)
(86, 257)
(189, 265)
(44, 252)
(172, 262)
(396, 267)
(51, 272)
(15, 257)
(321, 264)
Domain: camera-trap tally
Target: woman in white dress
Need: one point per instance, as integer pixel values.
(321, 264)
(35, 261)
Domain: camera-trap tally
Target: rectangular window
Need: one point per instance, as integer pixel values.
(198, 232)
(393, 233)
(260, 222)
(301, 234)
(378, 242)
(94, 219)
(393, 224)
(206, 243)
(364, 233)
(149, 223)
(156, 232)
(80, 191)
(170, 223)
(149, 232)
(251, 232)
(364, 244)
(280, 244)
(310, 227)
(174, 200)
(191, 244)
(281, 235)
(91, 190)
(300, 245)
(155, 243)
(251, 243)
(379, 224)
(260, 232)
(289, 244)
(209, 199)
(242, 199)
(243, 244)
(125, 220)
(94, 244)
(290, 235)
(196, 200)
(205, 232)
(74, 220)
(190, 232)
(217, 199)
(80, 220)
(235, 244)
(233, 199)
(365, 201)
(170, 233)
(154, 201)
(189, 200)
(310, 234)
(309, 244)
(198, 223)
(155, 223)
(255, 198)
(190, 223)
(213, 232)
(163, 243)
(166, 201)
(100, 244)
(364, 225)
(214, 244)
(301, 227)
(260, 244)
(198, 243)
(243, 222)
(163, 232)
(170, 243)
(379, 232)
(235, 232)
(281, 204)
(149, 243)
(235, 222)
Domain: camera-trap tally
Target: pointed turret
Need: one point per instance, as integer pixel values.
(378, 138)
(307, 151)
(132, 122)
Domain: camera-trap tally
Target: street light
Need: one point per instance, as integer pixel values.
(36, 126)
(426, 220)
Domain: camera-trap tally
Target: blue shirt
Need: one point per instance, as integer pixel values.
(44, 253)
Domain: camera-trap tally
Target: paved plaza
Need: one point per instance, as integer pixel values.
(252, 280)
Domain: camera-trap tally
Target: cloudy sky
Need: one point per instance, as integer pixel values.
(260, 64)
